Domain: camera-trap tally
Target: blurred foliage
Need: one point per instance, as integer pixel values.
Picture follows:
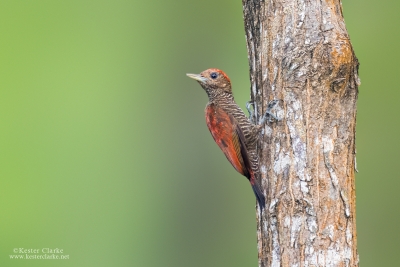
(104, 149)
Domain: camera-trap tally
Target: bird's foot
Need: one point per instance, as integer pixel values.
(269, 116)
(250, 108)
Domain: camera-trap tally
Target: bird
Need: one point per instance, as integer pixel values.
(235, 134)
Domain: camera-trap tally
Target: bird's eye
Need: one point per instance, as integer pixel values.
(214, 75)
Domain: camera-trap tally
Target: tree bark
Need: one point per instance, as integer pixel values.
(300, 52)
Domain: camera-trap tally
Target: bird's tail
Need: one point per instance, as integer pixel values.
(259, 195)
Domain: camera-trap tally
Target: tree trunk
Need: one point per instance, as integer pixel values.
(300, 52)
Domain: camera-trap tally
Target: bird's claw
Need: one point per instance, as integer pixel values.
(272, 104)
(249, 105)
(269, 116)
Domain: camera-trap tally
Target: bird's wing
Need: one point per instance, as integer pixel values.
(229, 137)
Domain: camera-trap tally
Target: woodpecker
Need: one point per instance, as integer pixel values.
(234, 133)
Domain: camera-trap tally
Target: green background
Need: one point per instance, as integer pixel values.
(104, 150)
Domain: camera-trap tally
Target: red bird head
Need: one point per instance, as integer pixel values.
(213, 81)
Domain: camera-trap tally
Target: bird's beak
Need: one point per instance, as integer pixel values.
(197, 77)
